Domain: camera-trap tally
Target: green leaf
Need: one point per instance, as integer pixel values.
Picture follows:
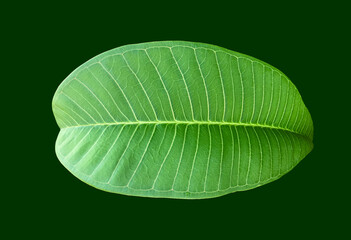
(179, 120)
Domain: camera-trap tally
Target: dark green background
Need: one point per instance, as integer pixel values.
(306, 42)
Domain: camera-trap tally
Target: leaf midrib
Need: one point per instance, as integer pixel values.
(187, 123)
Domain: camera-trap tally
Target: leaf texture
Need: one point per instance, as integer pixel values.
(179, 120)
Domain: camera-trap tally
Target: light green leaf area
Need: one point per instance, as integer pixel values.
(179, 120)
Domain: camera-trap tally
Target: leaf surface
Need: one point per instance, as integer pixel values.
(179, 120)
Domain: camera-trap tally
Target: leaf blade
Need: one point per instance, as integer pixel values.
(141, 92)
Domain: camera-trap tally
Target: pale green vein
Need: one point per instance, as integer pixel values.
(166, 156)
(205, 85)
(186, 123)
(181, 156)
(195, 155)
(142, 157)
(163, 83)
(119, 160)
